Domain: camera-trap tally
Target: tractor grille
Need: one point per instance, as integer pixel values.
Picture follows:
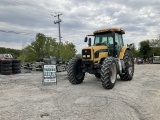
(86, 54)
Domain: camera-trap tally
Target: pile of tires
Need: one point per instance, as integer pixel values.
(6, 67)
(16, 66)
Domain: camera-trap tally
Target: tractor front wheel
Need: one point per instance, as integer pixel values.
(109, 73)
(74, 71)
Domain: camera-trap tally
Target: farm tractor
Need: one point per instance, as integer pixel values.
(106, 58)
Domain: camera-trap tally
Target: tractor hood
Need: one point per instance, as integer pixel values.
(94, 52)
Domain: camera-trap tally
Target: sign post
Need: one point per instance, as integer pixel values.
(49, 74)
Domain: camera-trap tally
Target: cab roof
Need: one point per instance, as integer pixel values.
(117, 30)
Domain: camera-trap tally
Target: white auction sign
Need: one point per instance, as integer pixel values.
(49, 74)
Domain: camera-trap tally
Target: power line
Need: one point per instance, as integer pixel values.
(23, 5)
(33, 7)
(23, 33)
(26, 5)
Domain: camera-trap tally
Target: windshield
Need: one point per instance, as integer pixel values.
(103, 39)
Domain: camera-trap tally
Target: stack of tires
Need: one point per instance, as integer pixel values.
(6, 67)
(16, 66)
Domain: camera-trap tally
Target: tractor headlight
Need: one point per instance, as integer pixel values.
(84, 56)
(88, 56)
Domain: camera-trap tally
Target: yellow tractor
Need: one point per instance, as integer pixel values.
(106, 58)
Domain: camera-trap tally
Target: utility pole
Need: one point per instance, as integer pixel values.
(59, 30)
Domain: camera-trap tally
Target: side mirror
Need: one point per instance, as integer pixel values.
(89, 42)
(115, 43)
(85, 39)
(131, 45)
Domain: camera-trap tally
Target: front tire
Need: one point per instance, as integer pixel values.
(74, 71)
(129, 66)
(109, 73)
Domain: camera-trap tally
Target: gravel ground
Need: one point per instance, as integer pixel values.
(23, 97)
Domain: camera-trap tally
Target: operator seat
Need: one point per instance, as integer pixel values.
(105, 43)
(111, 49)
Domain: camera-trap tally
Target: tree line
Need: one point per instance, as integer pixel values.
(148, 48)
(47, 46)
(15, 52)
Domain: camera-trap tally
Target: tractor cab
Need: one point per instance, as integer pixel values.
(113, 41)
(112, 38)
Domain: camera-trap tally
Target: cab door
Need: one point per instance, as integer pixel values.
(119, 41)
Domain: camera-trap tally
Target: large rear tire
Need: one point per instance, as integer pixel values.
(129, 66)
(109, 73)
(74, 71)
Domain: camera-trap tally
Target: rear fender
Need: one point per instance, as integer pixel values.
(123, 50)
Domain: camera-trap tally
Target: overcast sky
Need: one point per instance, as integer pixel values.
(139, 18)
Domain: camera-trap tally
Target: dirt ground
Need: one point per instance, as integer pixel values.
(23, 97)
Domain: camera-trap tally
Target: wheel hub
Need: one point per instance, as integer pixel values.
(113, 73)
(130, 66)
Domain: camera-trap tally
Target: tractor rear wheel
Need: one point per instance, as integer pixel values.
(129, 66)
(74, 71)
(109, 73)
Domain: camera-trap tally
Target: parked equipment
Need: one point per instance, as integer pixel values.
(38, 65)
(156, 59)
(106, 58)
(140, 60)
